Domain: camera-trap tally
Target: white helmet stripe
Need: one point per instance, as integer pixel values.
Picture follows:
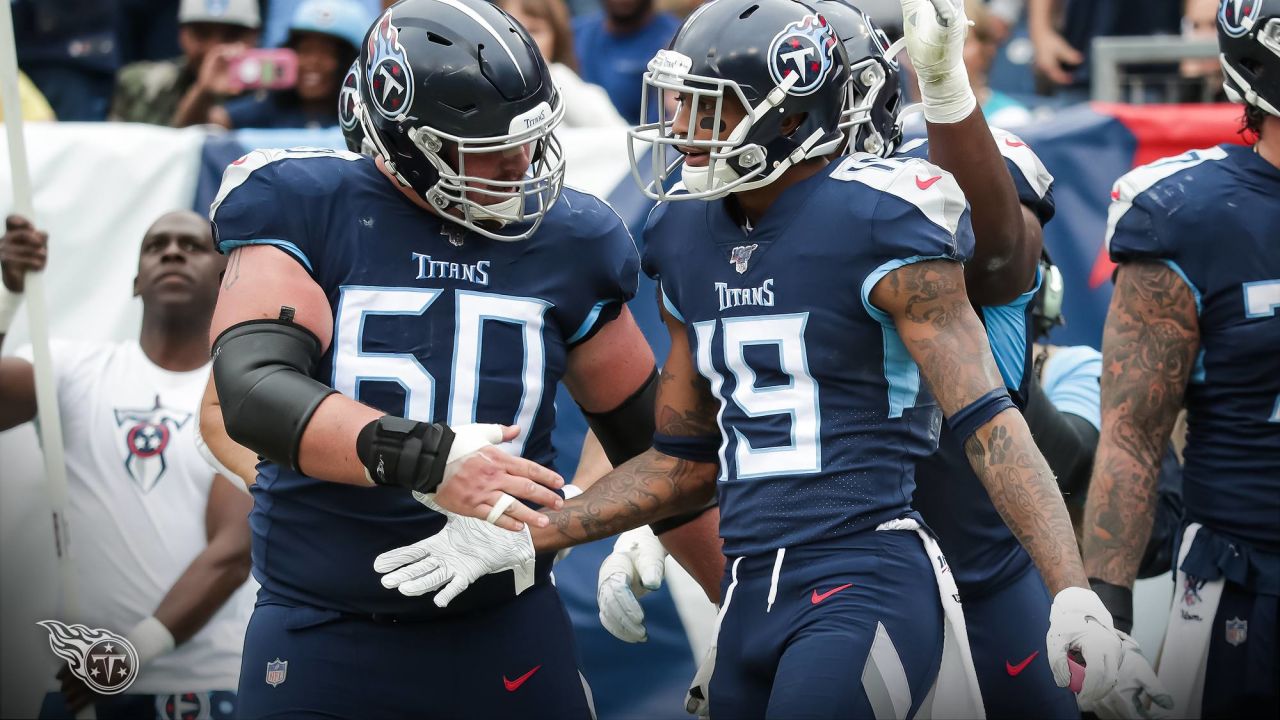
(488, 28)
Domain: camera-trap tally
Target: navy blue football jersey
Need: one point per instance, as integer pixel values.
(981, 550)
(823, 412)
(1213, 215)
(431, 323)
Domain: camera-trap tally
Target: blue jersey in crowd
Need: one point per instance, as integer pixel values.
(431, 323)
(617, 62)
(824, 413)
(981, 550)
(1212, 216)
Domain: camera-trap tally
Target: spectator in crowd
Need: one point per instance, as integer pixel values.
(617, 43)
(181, 91)
(980, 47)
(34, 106)
(1062, 35)
(1203, 76)
(585, 105)
(278, 14)
(69, 50)
(162, 543)
(326, 35)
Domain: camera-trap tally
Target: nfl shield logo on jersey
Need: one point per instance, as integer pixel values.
(277, 670)
(1237, 631)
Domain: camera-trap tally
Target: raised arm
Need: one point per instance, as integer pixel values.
(929, 307)
(1149, 344)
(23, 249)
(1008, 236)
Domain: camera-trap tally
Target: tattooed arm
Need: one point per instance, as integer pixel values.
(652, 485)
(1148, 347)
(928, 304)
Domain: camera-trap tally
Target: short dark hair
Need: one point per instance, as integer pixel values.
(1251, 128)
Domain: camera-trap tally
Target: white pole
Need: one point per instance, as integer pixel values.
(37, 313)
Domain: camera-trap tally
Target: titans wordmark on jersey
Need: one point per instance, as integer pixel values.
(823, 412)
(431, 323)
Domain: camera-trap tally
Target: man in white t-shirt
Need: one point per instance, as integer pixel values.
(162, 542)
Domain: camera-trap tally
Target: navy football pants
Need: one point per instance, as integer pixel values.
(870, 602)
(515, 661)
(1007, 631)
(1242, 677)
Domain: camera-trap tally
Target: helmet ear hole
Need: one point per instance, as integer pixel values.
(791, 122)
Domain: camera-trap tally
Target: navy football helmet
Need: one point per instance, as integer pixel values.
(442, 78)
(777, 59)
(349, 113)
(872, 115)
(1249, 41)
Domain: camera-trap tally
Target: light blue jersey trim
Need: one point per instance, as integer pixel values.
(900, 369)
(227, 246)
(1007, 333)
(1197, 371)
(1071, 382)
(589, 323)
(670, 306)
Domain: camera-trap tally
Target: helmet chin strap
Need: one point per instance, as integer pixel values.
(702, 179)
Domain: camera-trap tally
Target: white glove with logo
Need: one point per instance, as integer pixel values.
(461, 553)
(1139, 695)
(935, 32)
(1078, 621)
(634, 568)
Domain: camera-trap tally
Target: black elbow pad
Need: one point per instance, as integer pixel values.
(262, 369)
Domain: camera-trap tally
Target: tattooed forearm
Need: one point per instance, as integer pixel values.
(1148, 348)
(1025, 493)
(932, 313)
(649, 487)
(699, 415)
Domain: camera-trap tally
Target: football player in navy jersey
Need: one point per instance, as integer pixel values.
(806, 298)
(1006, 604)
(383, 325)
(1195, 320)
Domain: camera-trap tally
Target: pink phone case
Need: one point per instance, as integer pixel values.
(267, 69)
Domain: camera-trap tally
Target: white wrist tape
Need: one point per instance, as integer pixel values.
(948, 98)
(151, 639)
(9, 304)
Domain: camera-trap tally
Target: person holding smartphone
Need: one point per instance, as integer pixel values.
(298, 85)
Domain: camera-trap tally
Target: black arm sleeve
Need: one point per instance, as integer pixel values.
(627, 430)
(262, 370)
(1067, 441)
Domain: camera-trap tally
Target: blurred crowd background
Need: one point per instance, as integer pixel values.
(280, 63)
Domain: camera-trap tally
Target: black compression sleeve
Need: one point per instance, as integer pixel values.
(627, 430)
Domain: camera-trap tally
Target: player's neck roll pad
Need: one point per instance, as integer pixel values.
(262, 370)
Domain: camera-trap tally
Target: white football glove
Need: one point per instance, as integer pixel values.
(465, 550)
(1139, 695)
(635, 567)
(934, 31)
(1079, 621)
